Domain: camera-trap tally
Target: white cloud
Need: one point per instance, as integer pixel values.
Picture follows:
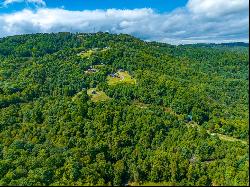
(215, 8)
(37, 2)
(194, 23)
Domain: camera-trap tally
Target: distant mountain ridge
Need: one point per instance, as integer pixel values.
(231, 44)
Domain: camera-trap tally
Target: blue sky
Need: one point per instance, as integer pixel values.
(157, 5)
(170, 21)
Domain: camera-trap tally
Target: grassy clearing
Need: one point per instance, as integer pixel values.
(228, 138)
(77, 95)
(105, 49)
(122, 77)
(97, 95)
(98, 66)
(87, 54)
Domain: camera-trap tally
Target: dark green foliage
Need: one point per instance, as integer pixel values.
(51, 133)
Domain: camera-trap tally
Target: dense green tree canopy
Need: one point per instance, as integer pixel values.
(184, 121)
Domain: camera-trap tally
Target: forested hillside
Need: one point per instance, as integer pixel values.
(102, 109)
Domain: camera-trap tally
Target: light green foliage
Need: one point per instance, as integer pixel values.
(152, 184)
(140, 104)
(122, 77)
(97, 95)
(228, 138)
(86, 54)
(90, 52)
(99, 66)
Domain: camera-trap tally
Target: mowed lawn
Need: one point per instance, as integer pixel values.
(124, 77)
(98, 95)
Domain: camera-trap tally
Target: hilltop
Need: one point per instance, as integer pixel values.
(103, 109)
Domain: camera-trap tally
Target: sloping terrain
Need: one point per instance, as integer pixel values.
(180, 117)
